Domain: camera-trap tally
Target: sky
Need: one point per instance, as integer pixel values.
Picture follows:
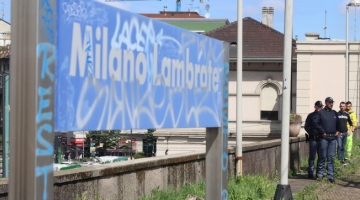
(5, 9)
(308, 15)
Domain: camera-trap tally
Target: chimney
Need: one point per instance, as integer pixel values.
(268, 16)
(312, 36)
(165, 8)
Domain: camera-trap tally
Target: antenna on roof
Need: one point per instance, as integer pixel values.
(2, 10)
(325, 25)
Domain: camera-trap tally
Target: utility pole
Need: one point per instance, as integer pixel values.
(239, 91)
(283, 190)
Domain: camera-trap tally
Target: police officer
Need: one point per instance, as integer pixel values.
(312, 135)
(326, 123)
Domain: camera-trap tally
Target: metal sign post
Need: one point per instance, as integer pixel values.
(217, 159)
(32, 99)
(6, 112)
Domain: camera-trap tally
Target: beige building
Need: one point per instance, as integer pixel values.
(321, 72)
(5, 36)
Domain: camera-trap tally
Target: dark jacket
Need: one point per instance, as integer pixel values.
(344, 118)
(309, 126)
(326, 121)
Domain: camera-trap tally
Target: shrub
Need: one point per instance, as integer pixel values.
(139, 154)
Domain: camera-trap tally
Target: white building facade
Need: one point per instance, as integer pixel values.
(321, 73)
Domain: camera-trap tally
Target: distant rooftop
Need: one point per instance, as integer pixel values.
(173, 14)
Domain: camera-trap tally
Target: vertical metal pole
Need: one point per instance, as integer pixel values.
(239, 91)
(32, 99)
(83, 156)
(283, 190)
(213, 163)
(217, 159)
(286, 92)
(3, 122)
(131, 144)
(347, 56)
(6, 110)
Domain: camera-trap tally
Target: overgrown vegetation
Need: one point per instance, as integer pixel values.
(139, 154)
(252, 187)
(243, 187)
(308, 193)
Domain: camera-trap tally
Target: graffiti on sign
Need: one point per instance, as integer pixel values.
(118, 70)
(46, 54)
(225, 129)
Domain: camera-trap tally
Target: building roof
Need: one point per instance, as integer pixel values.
(171, 14)
(5, 53)
(196, 24)
(259, 40)
(5, 21)
(188, 20)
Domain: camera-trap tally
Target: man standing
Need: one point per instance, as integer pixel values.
(349, 140)
(326, 123)
(313, 137)
(344, 119)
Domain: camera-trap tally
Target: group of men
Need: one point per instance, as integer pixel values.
(328, 130)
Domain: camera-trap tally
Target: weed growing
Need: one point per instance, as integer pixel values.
(252, 187)
(181, 194)
(242, 187)
(308, 193)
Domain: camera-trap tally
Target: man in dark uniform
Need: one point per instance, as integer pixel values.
(313, 137)
(344, 118)
(326, 123)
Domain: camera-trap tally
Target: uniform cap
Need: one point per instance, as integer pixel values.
(329, 99)
(319, 104)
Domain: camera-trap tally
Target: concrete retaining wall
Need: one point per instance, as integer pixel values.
(132, 179)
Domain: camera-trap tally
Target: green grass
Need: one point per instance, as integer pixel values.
(308, 193)
(243, 187)
(252, 187)
(181, 194)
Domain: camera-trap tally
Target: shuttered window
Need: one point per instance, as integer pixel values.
(269, 103)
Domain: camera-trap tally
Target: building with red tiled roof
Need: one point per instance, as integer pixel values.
(262, 76)
(260, 42)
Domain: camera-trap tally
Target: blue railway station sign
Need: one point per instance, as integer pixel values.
(117, 70)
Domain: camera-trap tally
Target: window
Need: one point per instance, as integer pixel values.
(269, 115)
(269, 103)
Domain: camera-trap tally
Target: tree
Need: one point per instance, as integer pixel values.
(109, 138)
(150, 136)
